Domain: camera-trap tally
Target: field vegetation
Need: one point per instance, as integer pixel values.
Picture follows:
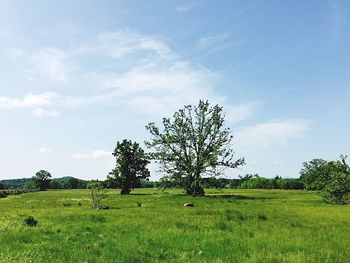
(151, 225)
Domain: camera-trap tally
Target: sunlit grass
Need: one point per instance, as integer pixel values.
(224, 226)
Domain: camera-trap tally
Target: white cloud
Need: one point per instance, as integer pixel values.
(45, 150)
(40, 113)
(142, 72)
(52, 64)
(29, 101)
(97, 154)
(122, 43)
(273, 132)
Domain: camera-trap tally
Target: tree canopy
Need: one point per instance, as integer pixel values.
(194, 144)
(331, 177)
(131, 166)
(41, 180)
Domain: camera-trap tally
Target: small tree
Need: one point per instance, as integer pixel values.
(98, 193)
(41, 180)
(194, 144)
(131, 166)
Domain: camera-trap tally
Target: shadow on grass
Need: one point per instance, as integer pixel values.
(235, 196)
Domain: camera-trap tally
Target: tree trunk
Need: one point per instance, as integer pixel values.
(195, 189)
(125, 191)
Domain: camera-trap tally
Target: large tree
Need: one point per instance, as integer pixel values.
(194, 144)
(41, 180)
(131, 166)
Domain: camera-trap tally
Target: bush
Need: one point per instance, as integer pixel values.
(30, 221)
(98, 193)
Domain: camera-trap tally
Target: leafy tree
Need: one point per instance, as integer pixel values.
(131, 166)
(41, 180)
(337, 187)
(194, 144)
(2, 187)
(314, 174)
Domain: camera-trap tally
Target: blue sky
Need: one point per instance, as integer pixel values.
(77, 76)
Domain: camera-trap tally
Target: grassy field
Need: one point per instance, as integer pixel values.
(229, 226)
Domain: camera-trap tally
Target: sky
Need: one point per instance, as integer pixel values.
(78, 76)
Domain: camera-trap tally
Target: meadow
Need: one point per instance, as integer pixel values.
(151, 225)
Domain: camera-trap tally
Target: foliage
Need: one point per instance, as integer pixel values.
(41, 180)
(314, 174)
(331, 177)
(131, 166)
(254, 181)
(14, 183)
(337, 186)
(98, 193)
(193, 145)
(56, 183)
(2, 186)
(248, 181)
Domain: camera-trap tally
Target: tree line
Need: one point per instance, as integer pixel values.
(193, 149)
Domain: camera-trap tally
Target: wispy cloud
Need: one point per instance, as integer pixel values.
(29, 101)
(213, 40)
(273, 132)
(142, 72)
(184, 7)
(241, 112)
(96, 154)
(214, 43)
(41, 113)
(52, 64)
(45, 150)
(337, 18)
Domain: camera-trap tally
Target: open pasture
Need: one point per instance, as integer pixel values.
(151, 225)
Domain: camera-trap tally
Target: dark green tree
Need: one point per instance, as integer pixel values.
(131, 166)
(41, 180)
(194, 144)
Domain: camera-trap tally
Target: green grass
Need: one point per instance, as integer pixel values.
(228, 226)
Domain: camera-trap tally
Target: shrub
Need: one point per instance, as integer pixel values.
(98, 193)
(30, 221)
